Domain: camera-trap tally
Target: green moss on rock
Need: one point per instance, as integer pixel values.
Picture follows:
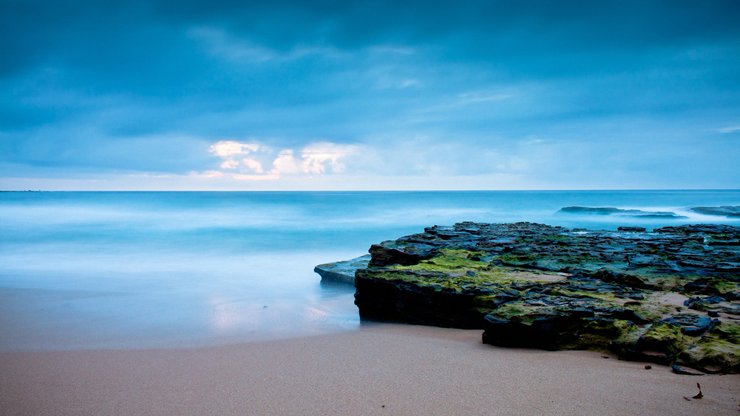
(600, 334)
(664, 338)
(718, 351)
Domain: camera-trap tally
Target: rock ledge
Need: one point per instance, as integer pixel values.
(670, 296)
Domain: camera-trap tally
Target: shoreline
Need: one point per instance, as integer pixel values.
(380, 368)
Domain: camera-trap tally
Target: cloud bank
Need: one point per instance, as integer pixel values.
(465, 94)
(255, 161)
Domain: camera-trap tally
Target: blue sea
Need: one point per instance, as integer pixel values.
(88, 270)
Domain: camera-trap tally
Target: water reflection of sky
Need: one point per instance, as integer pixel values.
(84, 301)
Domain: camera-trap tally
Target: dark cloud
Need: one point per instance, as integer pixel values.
(516, 34)
(112, 35)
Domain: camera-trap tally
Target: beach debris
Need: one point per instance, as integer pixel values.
(648, 366)
(686, 398)
(700, 394)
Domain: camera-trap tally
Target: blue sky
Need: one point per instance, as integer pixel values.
(369, 95)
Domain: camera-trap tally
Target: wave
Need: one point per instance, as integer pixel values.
(728, 211)
(622, 212)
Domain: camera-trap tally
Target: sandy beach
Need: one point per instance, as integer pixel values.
(381, 369)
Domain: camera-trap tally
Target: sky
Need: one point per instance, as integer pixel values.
(365, 95)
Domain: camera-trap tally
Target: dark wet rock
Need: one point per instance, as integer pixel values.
(659, 342)
(635, 213)
(714, 305)
(405, 253)
(342, 271)
(731, 295)
(631, 229)
(702, 303)
(642, 295)
(685, 371)
(546, 331)
(642, 260)
(716, 351)
(723, 211)
(628, 314)
(690, 324)
(431, 304)
(729, 267)
(699, 229)
(623, 279)
(723, 287)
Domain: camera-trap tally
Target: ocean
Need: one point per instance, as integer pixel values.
(101, 270)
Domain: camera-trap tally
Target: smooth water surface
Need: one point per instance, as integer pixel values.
(181, 269)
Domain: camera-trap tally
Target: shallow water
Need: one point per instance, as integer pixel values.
(171, 269)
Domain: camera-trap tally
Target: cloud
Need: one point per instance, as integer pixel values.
(321, 157)
(243, 177)
(247, 160)
(474, 97)
(285, 163)
(222, 44)
(253, 164)
(219, 43)
(240, 158)
(229, 148)
(729, 129)
(209, 174)
(229, 164)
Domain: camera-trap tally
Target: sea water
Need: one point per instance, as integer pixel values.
(81, 270)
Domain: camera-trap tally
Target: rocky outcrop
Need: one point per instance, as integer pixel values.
(342, 271)
(669, 296)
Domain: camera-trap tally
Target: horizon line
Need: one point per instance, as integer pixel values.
(368, 190)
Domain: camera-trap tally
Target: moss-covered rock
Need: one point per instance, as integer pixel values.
(716, 352)
(667, 295)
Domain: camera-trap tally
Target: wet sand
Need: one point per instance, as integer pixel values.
(381, 369)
